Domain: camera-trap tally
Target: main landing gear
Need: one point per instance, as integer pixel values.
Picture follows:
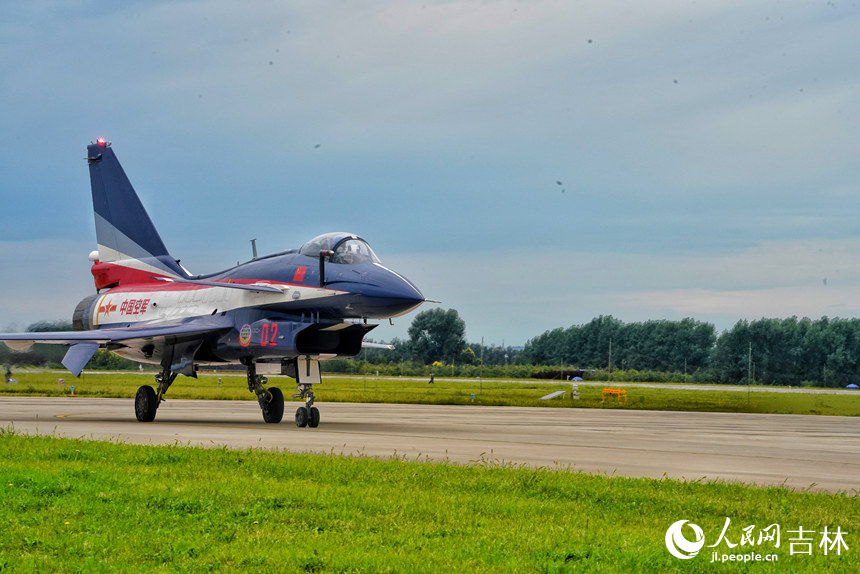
(147, 399)
(271, 400)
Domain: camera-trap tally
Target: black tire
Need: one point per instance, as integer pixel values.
(314, 419)
(302, 417)
(273, 411)
(145, 404)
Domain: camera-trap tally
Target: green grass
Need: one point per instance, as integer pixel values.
(447, 391)
(89, 506)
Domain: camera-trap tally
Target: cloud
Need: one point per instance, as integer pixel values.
(726, 306)
(520, 294)
(707, 149)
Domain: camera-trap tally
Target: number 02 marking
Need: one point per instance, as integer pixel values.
(267, 339)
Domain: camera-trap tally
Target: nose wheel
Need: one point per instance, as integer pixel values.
(308, 415)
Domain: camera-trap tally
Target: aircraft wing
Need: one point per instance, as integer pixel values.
(204, 325)
(84, 344)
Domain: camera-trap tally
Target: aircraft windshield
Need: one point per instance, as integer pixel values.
(348, 249)
(354, 251)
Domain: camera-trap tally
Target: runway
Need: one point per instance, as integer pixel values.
(799, 451)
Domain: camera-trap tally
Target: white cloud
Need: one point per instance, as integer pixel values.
(515, 295)
(729, 306)
(469, 112)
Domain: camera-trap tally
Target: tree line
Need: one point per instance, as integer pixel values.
(822, 352)
(609, 343)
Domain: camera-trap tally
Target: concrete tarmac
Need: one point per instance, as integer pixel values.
(799, 451)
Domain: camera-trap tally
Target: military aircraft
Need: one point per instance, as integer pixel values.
(290, 309)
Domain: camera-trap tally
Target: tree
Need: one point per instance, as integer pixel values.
(547, 348)
(468, 357)
(496, 355)
(45, 326)
(730, 357)
(673, 346)
(437, 335)
(104, 360)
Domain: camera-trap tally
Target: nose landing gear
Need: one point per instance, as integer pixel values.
(308, 415)
(306, 371)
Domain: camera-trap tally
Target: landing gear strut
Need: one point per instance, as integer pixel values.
(271, 400)
(147, 399)
(306, 371)
(308, 415)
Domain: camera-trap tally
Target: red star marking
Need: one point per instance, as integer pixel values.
(106, 309)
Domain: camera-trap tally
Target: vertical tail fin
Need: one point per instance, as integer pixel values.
(130, 249)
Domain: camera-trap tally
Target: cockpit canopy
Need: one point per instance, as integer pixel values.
(348, 249)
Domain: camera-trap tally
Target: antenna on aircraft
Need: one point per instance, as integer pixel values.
(254, 248)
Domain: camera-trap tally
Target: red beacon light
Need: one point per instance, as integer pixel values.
(102, 142)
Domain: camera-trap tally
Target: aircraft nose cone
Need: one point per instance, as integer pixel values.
(410, 292)
(394, 294)
(404, 293)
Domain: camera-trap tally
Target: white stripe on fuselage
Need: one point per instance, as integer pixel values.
(121, 306)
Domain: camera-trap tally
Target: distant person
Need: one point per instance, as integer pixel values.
(8, 374)
(431, 379)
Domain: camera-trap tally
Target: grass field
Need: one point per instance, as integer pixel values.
(445, 391)
(88, 506)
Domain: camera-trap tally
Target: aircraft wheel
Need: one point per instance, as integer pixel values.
(302, 417)
(145, 404)
(314, 419)
(273, 411)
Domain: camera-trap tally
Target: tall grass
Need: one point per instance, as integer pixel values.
(88, 506)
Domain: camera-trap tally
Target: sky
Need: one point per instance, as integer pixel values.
(530, 164)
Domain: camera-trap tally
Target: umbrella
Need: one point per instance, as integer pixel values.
(852, 386)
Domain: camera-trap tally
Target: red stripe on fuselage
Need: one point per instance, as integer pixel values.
(176, 286)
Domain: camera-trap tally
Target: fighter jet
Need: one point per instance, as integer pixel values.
(288, 310)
